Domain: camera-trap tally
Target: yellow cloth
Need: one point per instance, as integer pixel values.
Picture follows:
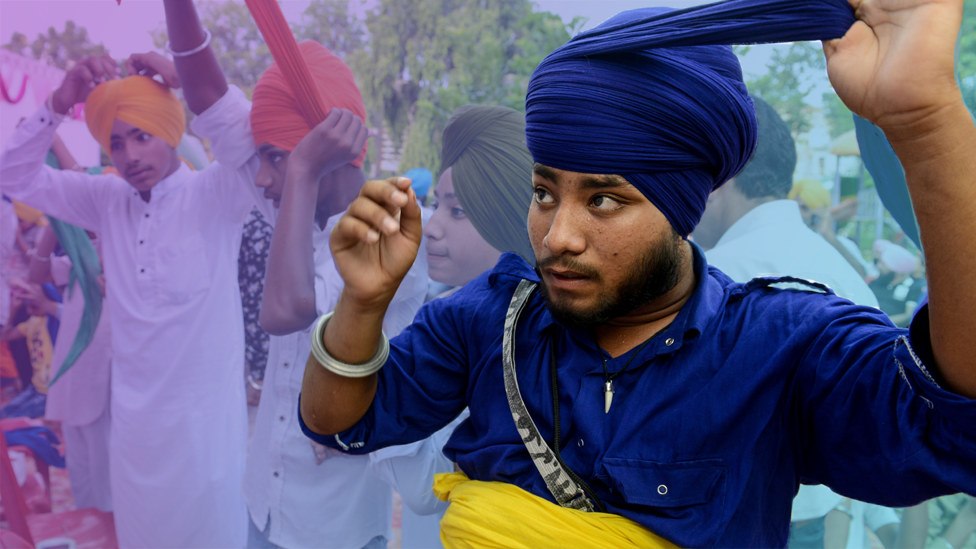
(31, 215)
(497, 514)
(813, 193)
(41, 350)
(138, 100)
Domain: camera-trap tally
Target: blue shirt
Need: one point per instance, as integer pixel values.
(752, 390)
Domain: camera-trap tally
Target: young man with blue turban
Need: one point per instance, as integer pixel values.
(624, 393)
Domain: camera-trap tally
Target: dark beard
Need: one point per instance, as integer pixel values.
(656, 274)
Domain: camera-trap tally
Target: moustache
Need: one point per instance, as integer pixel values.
(567, 264)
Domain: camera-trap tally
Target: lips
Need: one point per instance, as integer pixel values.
(436, 255)
(566, 279)
(132, 174)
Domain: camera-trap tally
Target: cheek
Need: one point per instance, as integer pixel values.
(538, 226)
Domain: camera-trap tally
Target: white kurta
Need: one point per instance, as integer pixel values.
(179, 419)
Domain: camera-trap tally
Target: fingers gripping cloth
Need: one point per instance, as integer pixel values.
(138, 100)
(657, 96)
(299, 89)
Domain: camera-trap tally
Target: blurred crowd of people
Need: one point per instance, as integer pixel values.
(298, 493)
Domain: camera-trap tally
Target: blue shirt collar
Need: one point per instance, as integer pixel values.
(691, 321)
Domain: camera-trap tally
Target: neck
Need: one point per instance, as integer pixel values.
(626, 332)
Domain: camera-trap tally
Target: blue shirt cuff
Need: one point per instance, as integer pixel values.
(349, 441)
(916, 363)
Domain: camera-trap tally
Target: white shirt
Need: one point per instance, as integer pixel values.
(337, 503)
(410, 470)
(179, 419)
(80, 396)
(867, 516)
(771, 239)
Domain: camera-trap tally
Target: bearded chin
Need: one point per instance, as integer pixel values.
(654, 274)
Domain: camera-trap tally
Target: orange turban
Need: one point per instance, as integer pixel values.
(276, 116)
(138, 100)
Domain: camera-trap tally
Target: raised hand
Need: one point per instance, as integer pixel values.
(81, 80)
(375, 243)
(335, 142)
(895, 66)
(150, 64)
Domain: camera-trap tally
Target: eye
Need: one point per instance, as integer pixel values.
(542, 196)
(458, 212)
(275, 157)
(605, 203)
(143, 137)
(116, 145)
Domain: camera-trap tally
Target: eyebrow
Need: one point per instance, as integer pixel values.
(128, 133)
(265, 148)
(587, 182)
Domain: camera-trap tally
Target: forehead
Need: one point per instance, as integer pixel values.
(121, 128)
(445, 185)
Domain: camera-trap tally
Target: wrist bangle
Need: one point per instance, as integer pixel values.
(253, 383)
(60, 308)
(194, 51)
(342, 368)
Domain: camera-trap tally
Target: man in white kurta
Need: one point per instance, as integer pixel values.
(179, 420)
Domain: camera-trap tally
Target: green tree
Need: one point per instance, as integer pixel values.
(57, 49)
(839, 117)
(793, 74)
(332, 24)
(425, 58)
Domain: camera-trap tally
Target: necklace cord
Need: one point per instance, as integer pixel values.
(556, 428)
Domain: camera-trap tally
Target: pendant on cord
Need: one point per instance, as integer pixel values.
(608, 391)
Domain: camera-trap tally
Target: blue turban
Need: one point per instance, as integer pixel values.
(656, 96)
(421, 179)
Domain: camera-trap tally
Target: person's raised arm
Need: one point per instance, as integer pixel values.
(288, 304)
(374, 245)
(200, 74)
(40, 257)
(895, 67)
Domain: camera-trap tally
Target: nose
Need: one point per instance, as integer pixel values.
(264, 179)
(566, 235)
(434, 230)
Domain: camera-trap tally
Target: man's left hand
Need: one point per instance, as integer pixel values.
(895, 65)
